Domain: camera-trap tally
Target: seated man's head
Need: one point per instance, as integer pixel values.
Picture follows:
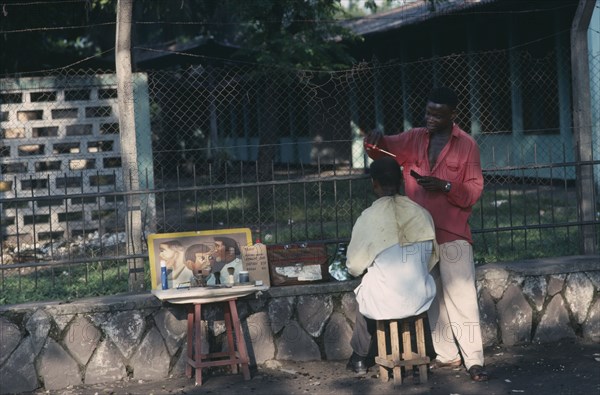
(386, 176)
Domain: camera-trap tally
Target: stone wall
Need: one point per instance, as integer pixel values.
(56, 345)
(540, 300)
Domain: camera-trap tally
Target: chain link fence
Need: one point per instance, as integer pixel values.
(277, 151)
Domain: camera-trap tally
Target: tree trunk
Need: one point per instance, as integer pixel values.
(133, 223)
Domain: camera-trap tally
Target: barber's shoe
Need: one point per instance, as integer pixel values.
(357, 364)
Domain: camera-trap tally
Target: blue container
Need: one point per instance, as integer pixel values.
(163, 275)
(244, 277)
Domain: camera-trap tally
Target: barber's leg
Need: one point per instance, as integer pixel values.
(439, 322)
(460, 299)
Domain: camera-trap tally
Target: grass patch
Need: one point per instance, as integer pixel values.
(64, 283)
(521, 219)
(525, 244)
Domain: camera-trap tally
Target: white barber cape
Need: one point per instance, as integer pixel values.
(394, 240)
(397, 284)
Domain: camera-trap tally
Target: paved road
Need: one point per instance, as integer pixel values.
(564, 368)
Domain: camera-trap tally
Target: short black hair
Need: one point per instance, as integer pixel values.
(387, 172)
(443, 95)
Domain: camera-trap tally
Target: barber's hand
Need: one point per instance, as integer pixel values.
(373, 136)
(430, 183)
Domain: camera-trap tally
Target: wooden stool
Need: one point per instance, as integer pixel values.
(407, 358)
(233, 357)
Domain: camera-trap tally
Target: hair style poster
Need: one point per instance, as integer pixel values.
(208, 257)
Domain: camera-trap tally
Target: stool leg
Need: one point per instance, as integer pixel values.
(406, 343)
(396, 356)
(230, 343)
(420, 334)
(241, 342)
(382, 349)
(407, 352)
(190, 342)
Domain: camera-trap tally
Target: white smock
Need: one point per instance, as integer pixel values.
(394, 240)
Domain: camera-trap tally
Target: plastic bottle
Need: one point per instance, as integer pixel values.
(163, 275)
(337, 268)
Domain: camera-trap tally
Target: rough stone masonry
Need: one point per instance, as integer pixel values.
(56, 345)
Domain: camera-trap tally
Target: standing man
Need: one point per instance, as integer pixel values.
(442, 172)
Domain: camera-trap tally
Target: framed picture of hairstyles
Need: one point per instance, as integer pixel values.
(206, 257)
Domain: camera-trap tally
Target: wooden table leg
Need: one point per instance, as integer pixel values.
(228, 309)
(198, 341)
(190, 342)
(237, 354)
(241, 342)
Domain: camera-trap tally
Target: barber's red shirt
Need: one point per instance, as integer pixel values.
(458, 163)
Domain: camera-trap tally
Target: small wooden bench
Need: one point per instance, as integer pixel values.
(401, 358)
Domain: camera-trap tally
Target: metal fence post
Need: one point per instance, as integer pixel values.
(582, 121)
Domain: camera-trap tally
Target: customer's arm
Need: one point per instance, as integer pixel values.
(355, 261)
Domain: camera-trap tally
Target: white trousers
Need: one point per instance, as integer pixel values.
(454, 313)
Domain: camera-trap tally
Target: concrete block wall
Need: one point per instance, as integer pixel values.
(56, 345)
(59, 138)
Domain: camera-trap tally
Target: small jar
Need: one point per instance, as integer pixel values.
(244, 277)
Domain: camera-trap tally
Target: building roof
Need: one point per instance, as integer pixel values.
(147, 53)
(408, 14)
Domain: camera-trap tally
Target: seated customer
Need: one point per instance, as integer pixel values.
(394, 241)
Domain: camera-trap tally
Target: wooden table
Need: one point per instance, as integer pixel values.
(237, 353)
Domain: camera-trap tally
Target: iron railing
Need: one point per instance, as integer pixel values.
(276, 151)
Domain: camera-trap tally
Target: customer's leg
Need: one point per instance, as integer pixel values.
(460, 299)
(362, 334)
(360, 343)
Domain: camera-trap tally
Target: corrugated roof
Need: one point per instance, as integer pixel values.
(408, 14)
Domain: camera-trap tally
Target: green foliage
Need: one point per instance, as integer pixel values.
(294, 33)
(43, 35)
